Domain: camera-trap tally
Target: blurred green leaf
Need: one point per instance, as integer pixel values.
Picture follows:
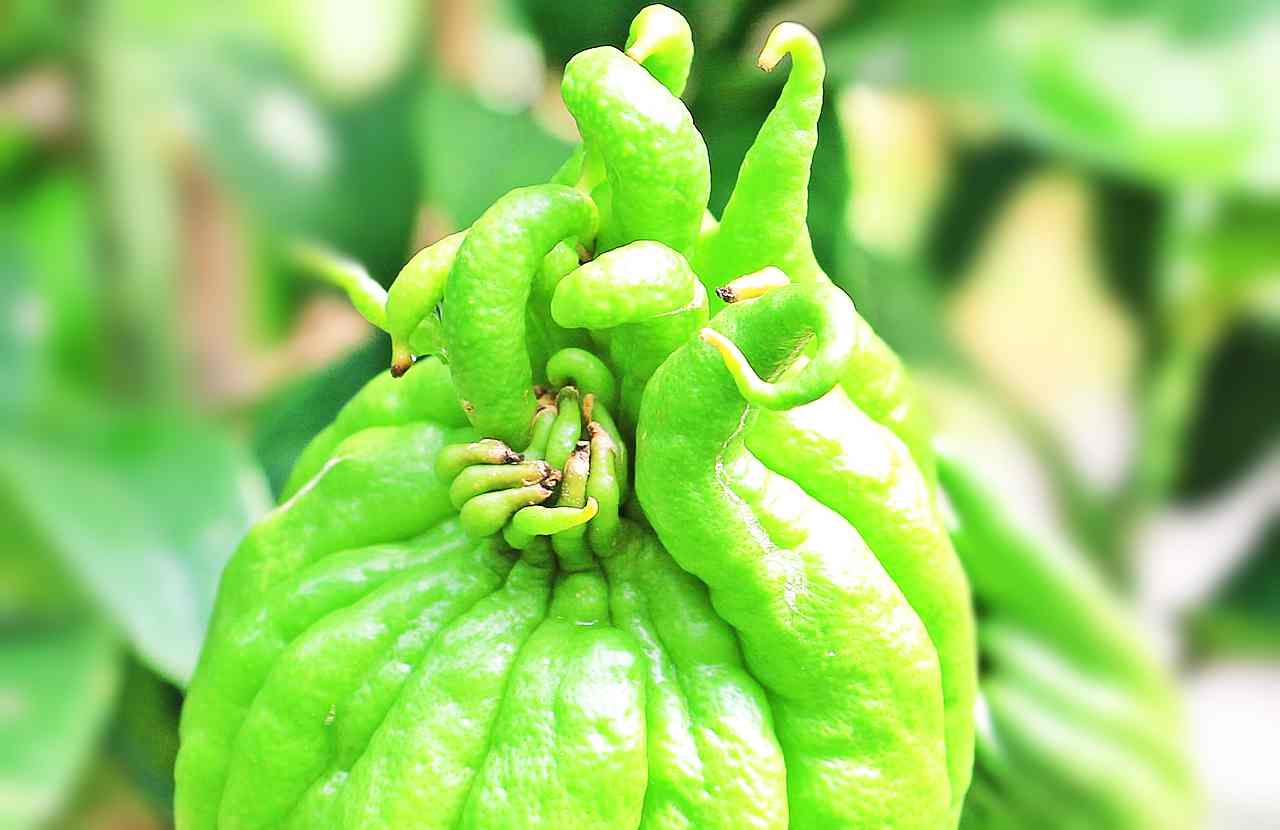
(50, 290)
(1134, 89)
(34, 588)
(285, 421)
(19, 352)
(900, 300)
(34, 29)
(57, 689)
(143, 510)
(347, 173)
(474, 154)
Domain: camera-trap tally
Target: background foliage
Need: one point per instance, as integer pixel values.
(1072, 209)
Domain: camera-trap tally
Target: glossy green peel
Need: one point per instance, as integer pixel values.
(487, 293)
(655, 161)
(764, 221)
(605, 559)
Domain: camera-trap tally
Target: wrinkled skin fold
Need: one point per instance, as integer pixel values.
(399, 673)
(393, 671)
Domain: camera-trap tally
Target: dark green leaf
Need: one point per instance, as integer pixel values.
(1238, 415)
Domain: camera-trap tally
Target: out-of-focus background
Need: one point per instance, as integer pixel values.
(1067, 212)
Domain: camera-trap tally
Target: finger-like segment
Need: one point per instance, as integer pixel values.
(647, 296)
(586, 372)
(416, 292)
(484, 478)
(566, 429)
(532, 522)
(453, 459)
(486, 514)
(540, 434)
(571, 545)
(234, 665)
(323, 263)
(848, 665)
(630, 284)
(660, 40)
(656, 162)
(713, 760)
(423, 760)
(600, 415)
(821, 312)
(862, 471)
(427, 395)
(286, 741)
(604, 490)
(750, 286)
(487, 296)
(764, 222)
(544, 336)
(569, 744)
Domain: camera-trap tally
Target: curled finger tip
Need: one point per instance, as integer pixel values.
(716, 340)
(784, 37)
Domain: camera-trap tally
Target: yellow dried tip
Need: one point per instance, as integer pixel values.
(783, 38)
(749, 384)
(750, 286)
(537, 520)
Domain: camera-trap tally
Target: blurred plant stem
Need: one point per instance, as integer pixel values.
(1193, 312)
(139, 204)
(1169, 399)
